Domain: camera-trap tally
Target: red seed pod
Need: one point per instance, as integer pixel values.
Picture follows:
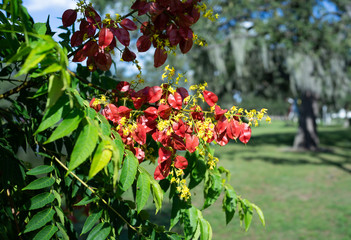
(88, 28)
(123, 86)
(180, 162)
(164, 110)
(142, 7)
(122, 35)
(210, 98)
(175, 100)
(143, 44)
(79, 56)
(92, 16)
(128, 55)
(154, 94)
(105, 37)
(91, 64)
(77, 39)
(69, 17)
(245, 133)
(183, 92)
(128, 24)
(234, 129)
(160, 57)
(139, 134)
(177, 143)
(173, 36)
(219, 112)
(185, 45)
(103, 61)
(192, 142)
(90, 49)
(161, 21)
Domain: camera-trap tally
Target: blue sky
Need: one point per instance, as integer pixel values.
(40, 9)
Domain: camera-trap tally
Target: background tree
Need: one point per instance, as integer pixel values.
(272, 50)
(104, 145)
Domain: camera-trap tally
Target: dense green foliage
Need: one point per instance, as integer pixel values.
(58, 154)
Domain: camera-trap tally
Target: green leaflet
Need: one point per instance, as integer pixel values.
(58, 197)
(190, 220)
(86, 200)
(100, 232)
(248, 211)
(42, 169)
(118, 151)
(260, 214)
(40, 219)
(213, 188)
(206, 229)
(197, 173)
(41, 200)
(157, 194)
(68, 125)
(129, 170)
(101, 158)
(229, 202)
(60, 214)
(84, 146)
(55, 90)
(46, 233)
(40, 183)
(143, 190)
(90, 221)
(40, 28)
(62, 233)
(50, 69)
(54, 114)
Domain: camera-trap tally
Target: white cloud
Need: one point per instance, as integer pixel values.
(48, 5)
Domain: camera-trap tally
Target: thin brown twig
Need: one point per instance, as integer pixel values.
(24, 85)
(89, 83)
(13, 210)
(92, 190)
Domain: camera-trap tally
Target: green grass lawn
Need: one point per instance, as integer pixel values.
(303, 195)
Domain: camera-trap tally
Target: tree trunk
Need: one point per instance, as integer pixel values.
(307, 137)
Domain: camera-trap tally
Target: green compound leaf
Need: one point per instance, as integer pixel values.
(129, 170)
(68, 125)
(46, 233)
(41, 200)
(54, 114)
(40, 183)
(42, 169)
(40, 219)
(143, 190)
(84, 146)
(90, 222)
(100, 232)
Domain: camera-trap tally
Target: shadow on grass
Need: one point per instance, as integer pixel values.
(330, 140)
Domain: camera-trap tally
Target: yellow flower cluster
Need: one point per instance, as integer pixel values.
(211, 161)
(208, 13)
(199, 41)
(182, 187)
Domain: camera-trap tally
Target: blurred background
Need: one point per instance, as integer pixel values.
(293, 58)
